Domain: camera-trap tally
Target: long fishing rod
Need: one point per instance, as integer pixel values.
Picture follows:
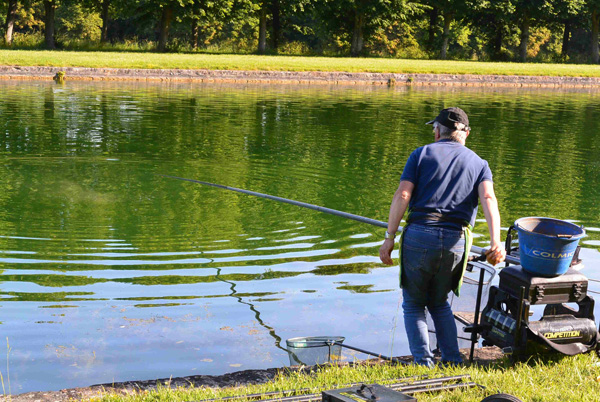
(474, 249)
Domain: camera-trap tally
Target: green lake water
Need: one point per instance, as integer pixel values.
(110, 272)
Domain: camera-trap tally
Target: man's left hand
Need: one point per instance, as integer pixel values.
(496, 253)
(385, 251)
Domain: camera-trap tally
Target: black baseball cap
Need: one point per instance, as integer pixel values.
(450, 116)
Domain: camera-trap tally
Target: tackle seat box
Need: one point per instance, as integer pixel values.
(570, 287)
(372, 393)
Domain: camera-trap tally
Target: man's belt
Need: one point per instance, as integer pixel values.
(434, 216)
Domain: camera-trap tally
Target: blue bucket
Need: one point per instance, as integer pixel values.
(546, 245)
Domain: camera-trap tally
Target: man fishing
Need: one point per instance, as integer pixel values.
(440, 186)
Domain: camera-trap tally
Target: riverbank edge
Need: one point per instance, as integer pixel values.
(482, 356)
(293, 77)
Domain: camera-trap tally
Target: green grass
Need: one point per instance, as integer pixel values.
(570, 379)
(149, 60)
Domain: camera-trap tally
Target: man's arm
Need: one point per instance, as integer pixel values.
(489, 203)
(397, 210)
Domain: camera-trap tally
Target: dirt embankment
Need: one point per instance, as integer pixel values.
(482, 356)
(291, 77)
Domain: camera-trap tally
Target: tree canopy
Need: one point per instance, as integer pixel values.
(517, 30)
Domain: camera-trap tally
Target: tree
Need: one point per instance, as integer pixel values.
(49, 25)
(594, 12)
(268, 11)
(104, 8)
(76, 20)
(448, 9)
(104, 14)
(196, 13)
(359, 18)
(207, 14)
(160, 12)
(566, 13)
(529, 13)
(166, 16)
(285, 13)
(433, 16)
(493, 19)
(276, 12)
(262, 26)
(11, 15)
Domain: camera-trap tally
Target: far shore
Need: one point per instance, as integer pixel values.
(295, 77)
(282, 69)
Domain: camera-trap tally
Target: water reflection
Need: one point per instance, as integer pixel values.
(237, 296)
(157, 277)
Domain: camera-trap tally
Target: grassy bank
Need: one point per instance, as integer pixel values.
(571, 379)
(283, 63)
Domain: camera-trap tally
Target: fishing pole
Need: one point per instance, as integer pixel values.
(474, 249)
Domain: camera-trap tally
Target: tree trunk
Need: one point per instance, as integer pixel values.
(357, 36)
(447, 20)
(262, 30)
(524, 38)
(195, 33)
(165, 23)
(11, 16)
(49, 8)
(104, 14)
(276, 11)
(196, 11)
(566, 39)
(433, 16)
(497, 44)
(595, 28)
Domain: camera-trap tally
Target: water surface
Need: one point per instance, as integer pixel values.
(111, 272)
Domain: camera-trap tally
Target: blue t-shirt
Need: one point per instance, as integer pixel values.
(446, 175)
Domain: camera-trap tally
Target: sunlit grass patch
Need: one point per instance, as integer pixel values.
(568, 379)
(149, 60)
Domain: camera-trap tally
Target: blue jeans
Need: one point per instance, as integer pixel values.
(430, 255)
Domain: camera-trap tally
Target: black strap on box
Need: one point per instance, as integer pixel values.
(569, 349)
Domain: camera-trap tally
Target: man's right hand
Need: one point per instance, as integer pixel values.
(496, 253)
(385, 251)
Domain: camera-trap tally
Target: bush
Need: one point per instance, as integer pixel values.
(239, 45)
(27, 41)
(178, 45)
(294, 48)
